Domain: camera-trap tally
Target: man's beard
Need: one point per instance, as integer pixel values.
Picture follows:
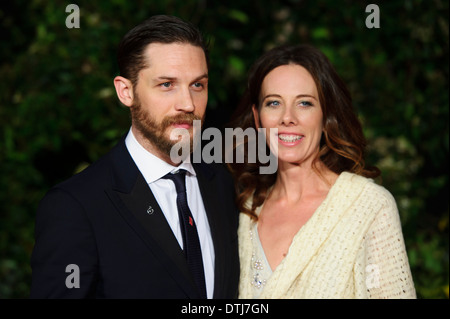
(155, 132)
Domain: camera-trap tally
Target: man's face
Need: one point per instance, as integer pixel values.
(171, 93)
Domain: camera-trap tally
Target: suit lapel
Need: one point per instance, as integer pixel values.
(215, 215)
(139, 208)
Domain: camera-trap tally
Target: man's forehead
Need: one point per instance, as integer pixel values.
(174, 51)
(175, 60)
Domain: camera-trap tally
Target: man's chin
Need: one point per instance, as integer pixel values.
(178, 134)
(178, 147)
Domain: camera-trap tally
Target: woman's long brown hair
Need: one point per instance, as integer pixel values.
(342, 146)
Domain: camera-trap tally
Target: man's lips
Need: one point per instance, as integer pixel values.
(182, 125)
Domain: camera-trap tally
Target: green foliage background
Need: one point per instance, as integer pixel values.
(59, 112)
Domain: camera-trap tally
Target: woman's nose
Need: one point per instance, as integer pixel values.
(288, 117)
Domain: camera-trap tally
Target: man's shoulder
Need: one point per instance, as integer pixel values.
(94, 176)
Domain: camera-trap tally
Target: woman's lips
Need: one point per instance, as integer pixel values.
(289, 139)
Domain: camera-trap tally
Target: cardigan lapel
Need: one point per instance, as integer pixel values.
(313, 235)
(139, 208)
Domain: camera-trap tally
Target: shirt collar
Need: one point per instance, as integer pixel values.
(151, 166)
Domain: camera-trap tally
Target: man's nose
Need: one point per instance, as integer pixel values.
(185, 101)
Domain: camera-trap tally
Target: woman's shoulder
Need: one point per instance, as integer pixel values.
(245, 221)
(367, 185)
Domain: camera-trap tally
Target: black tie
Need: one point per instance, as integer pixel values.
(191, 242)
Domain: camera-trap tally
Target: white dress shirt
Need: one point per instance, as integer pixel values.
(153, 168)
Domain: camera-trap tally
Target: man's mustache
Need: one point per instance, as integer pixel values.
(187, 118)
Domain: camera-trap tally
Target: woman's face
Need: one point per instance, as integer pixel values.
(289, 102)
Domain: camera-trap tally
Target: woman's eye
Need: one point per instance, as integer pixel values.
(272, 103)
(305, 103)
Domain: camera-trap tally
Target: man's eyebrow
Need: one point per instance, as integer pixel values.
(201, 77)
(164, 78)
(172, 78)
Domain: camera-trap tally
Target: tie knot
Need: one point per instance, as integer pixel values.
(178, 179)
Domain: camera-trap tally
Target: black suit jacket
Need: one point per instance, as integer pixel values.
(107, 222)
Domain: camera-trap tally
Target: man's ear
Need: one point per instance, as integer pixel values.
(256, 116)
(124, 90)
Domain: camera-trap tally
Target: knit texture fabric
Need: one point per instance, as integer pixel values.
(351, 247)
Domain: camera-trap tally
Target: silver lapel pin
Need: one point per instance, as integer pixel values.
(150, 210)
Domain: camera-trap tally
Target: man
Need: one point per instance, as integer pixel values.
(114, 230)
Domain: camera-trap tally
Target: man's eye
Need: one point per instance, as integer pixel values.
(166, 84)
(198, 85)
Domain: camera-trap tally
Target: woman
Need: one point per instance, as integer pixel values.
(319, 227)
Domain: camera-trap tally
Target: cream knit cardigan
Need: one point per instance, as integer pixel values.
(352, 247)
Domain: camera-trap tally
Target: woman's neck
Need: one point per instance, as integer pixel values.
(295, 182)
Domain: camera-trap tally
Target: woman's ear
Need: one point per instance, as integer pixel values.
(124, 90)
(256, 116)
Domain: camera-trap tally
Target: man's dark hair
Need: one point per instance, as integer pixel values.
(157, 29)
